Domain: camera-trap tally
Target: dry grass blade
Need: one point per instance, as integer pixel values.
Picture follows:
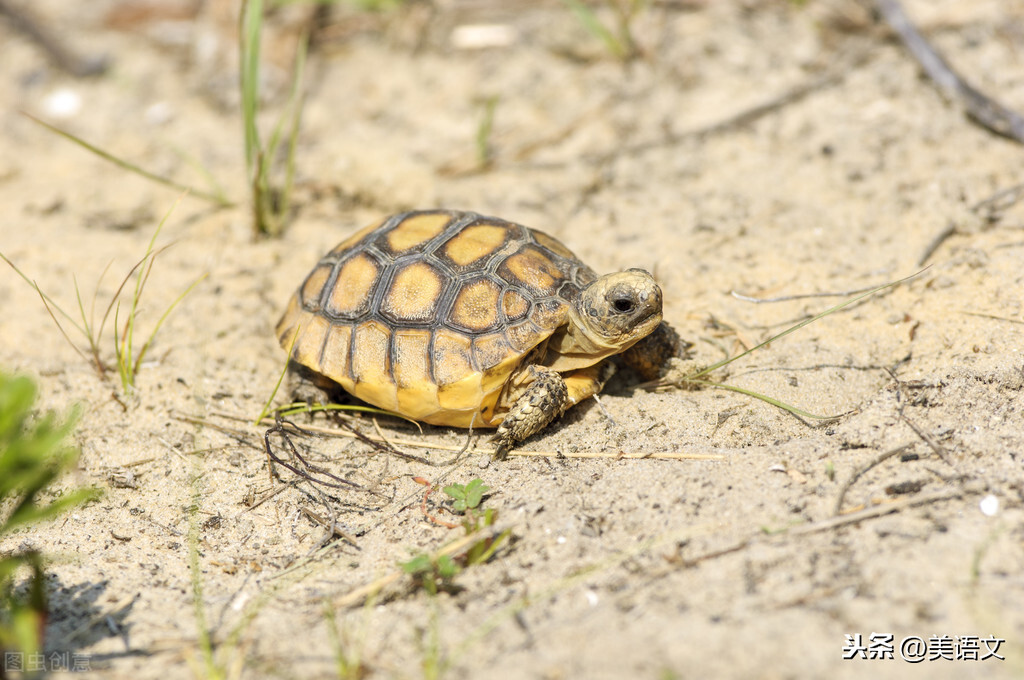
(983, 315)
(875, 511)
(657, 455)
(521, 453)
(792, 329)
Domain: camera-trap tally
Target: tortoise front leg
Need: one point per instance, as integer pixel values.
(546, 398)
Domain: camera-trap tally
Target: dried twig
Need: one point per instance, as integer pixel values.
(979, 107)
(331, 525)
(56, 48)
(462, 449)
(875, 511)
(857, 474)
(305, 469)
(798, 296)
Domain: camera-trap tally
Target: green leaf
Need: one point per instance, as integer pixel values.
(446, 567)
(33, 454)
(417, 565)
(475, 491)
(455, 491)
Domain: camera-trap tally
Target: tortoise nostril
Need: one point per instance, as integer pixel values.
(624, 305)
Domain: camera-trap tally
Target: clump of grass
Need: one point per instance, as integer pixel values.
(348, 647)
(271, 188)
(128, 354)
(271, 196)
(33, 454)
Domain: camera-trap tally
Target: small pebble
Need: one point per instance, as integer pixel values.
(989, 506)
(62, 103)
(482, 36)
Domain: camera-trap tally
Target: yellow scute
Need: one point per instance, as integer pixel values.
(416, 230)
(475, 242)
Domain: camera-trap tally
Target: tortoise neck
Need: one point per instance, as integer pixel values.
(572, 347)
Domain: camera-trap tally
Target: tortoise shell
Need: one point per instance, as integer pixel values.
(429, 313)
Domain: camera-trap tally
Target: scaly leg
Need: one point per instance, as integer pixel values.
(546, 398)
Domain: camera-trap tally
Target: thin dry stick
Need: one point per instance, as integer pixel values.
(939, 450)
(988, 209)
(857, 475)
(798, 296)
(936, 243)
(979, 107)
(314, 429)
(876, 511)
(992, 316)
(663, 455)
(832, 76)
(1001, 200)
(331, 525)
(55, 47)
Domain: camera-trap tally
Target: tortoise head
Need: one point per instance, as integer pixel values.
(617, 310)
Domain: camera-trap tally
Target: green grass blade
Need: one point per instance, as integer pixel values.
(130, 167)
(251, 26)
(296, 104)
(196, 577)
(484, 152)
(47, 300)
(119, 354)
(593, 25)
(294, 408)
(160, 322)
(284, 370)
(90, 335)
(765, 398)
(216, 188)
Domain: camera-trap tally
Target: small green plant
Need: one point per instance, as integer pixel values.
(484, 148)
(432, 572)
(348, 648)
(128, 355)
(466, 501)
(617, 39)
(33, 454)
(271, 199)
(466, 497)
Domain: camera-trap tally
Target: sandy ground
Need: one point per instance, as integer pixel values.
(730, 566)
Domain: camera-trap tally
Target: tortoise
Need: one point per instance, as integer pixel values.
(457, 319)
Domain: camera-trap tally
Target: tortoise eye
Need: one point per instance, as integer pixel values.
(624, 305)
